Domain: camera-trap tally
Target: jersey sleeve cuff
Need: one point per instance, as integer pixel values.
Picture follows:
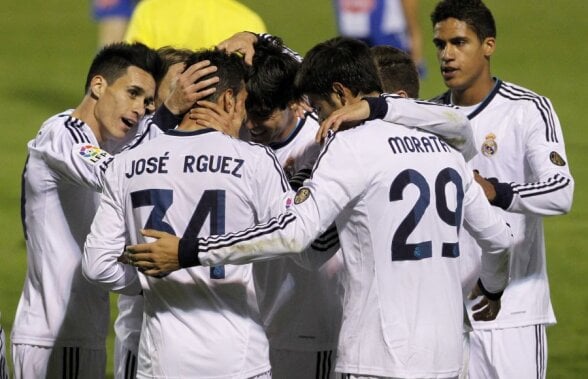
(165, 119)
(188, 252)
(504, 194)
(378, 107)
(490, 295)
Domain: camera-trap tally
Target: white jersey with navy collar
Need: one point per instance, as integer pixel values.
(300, 307)
(62, 175)
(198, 322)
(520, 142)
(398, 197)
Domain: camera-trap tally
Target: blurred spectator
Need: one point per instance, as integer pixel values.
(383, 22)
(112, 17)
(190, 24)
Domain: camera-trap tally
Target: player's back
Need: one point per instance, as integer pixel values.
(399, 233)
(200, 183)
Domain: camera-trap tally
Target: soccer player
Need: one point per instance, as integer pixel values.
(61, 322)
(127, 325)
(199, 322)
(522, 150)
(399, 197)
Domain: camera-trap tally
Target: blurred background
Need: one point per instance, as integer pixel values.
(47, 46)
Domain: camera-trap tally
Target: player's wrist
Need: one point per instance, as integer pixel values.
(378, 107)
(504, 194)
(494, 296)
(188, 252)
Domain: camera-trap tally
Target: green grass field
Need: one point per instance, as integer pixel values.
(48, 45)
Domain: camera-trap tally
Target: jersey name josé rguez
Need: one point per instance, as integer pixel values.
(189, 183)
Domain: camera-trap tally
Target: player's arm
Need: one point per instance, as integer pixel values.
(494, 236)
(105, 244)
(442, 120)
(552, 192)
(333, 185)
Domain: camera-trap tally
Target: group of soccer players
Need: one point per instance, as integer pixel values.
(364, 270)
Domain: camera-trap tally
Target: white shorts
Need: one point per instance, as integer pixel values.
(58, 362)
(3, 363)
(289, 364)
(352, 376)
(508, 353)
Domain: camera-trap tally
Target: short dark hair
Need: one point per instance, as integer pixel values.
(112, 61)
(270, 85)
(231, 70)
(171, 56)
(473, 12)
(341, 59)
(396, 70)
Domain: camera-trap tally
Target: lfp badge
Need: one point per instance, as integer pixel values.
(92, 153)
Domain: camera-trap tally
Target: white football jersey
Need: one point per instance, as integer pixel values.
(189, 183)
(63, 173)
(300, 308)
(520, 142)
(398, 197)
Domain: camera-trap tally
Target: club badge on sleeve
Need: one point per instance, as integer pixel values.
(489, 147)
(556, 159)
(301, 196)
(92, 154)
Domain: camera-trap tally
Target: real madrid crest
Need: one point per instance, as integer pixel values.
(302, 194)
(489, 147)
(556, 159)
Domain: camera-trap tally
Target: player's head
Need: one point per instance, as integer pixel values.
(121, 86)
(174, 64)
(397, 71)
(270, 92)
(465, 38)
(335, 72)
(232, 73)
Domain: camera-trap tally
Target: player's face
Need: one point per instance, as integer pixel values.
(121, 104)
(324, 106)
(167, 83)
(463, 58)
(274, 128)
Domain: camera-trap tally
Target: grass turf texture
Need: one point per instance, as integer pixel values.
(47, 47)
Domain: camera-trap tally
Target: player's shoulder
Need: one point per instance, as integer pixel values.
(63, 126)
(516, 93)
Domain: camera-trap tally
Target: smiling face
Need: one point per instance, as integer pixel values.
(464, 59)
(274, 128)
(121, 104)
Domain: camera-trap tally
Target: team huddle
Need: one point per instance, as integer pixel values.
(262, 215)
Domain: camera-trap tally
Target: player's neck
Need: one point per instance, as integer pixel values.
(85, 113)
(473, 94)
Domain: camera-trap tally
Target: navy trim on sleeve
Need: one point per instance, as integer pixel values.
(188, 252)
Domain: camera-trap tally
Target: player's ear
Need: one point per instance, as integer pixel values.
(339, 92)
(98, 85)
(489, 45)
(402, 93)
(229, 100)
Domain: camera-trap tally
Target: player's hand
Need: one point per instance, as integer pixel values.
(349, 113)
(212, 115)
(487, 186)
(188, 88)
(156, 258)
(300, 108)
(241, 43)
(485, 309)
